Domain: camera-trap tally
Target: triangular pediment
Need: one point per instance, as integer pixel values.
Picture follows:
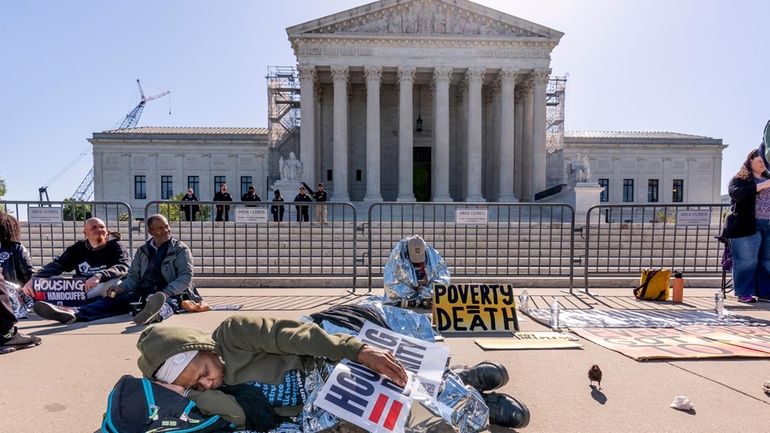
(424, 18)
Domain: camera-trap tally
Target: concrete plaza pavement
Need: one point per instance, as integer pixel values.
(62, 385)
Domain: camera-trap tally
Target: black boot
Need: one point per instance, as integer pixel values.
(15, 341)
(484, 376)
(506, 411)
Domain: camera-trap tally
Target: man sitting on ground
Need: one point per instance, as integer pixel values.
(160, 278)
(100, 257)
(410, 272)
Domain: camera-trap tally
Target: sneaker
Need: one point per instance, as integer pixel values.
(151, 310)
(763, 299)
(18, 341)
(484, 376)
(506, 411)
(748, 299)
(64, 315)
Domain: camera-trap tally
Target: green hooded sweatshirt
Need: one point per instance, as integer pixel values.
(253, 349)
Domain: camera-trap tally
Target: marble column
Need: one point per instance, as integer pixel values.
(526, 148)
(507, 131)
(307, 77)
(539, 125)
(405, 135)
(473, 181)
(518, 137)
(340, 76)
(373, 80)
(441, 77)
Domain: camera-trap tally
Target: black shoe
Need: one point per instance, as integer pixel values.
(48, 311)
(18, 341)
(151, 309)
(484, 376)
(506, 411)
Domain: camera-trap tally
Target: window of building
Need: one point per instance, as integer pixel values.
(628, 190)
(194, 182)
(605, 195)
(245, 182)
(328, 175)
(677, 192)
(166, 187)
(358, 175)
(218, 181)
(652, 190)
(140, 187)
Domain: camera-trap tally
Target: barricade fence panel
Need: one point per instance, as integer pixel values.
(478, 239)
(624, 239)
(49, 227)
(263, 238)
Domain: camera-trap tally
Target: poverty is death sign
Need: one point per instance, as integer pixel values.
(371, 401)
(69, 292)
(474, 308)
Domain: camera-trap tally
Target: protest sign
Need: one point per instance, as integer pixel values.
(530, 340)
(251, 214)
(68, 292)
(594, 318)
(364, 398)
(474, 308)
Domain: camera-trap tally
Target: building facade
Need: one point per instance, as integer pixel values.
(144, 164)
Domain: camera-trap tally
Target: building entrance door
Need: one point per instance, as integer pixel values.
(421, 173)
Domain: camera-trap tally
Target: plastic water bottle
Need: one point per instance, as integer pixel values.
(719, 305)
(524, 301)
(555, 315)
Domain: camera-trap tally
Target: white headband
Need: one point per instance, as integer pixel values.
(174, 366)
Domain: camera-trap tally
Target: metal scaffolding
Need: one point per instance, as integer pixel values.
(554, 131)
(283, 114)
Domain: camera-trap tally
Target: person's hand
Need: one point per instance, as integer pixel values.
(383, 362)
(28, 290)
(92, 282)
(763, 185)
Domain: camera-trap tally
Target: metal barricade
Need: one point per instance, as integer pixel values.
(49, 227)
(256, 242)
(621, 240)
(479, 239)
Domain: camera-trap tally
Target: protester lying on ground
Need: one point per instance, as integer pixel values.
(159, 279)
(273, 357)
(16, 265)
(410, 272)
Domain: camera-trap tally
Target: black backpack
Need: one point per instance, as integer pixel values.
(141, 406)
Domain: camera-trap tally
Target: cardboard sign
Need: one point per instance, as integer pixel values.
(530, 340)
(44, 215)
(423, 359)
(69, 292)
(251, 215)
(641, 318)
(693, 217)
(664, 343)
(364, 398)
(749, 337)
(474, 308)
(471, 216)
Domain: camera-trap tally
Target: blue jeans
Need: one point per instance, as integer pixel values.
(751, 262)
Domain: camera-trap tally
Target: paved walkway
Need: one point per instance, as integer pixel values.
(62, 385)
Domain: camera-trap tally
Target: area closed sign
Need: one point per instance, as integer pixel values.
(474, 308)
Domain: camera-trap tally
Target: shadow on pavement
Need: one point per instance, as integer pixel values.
(597, 395)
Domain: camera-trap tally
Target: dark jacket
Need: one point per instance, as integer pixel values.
(250, 196)
(319, 196)
(741, 220)
(186, 207)
(223, 196)
(110, 261)
(275, 208)
(177, 270)
(15, 263)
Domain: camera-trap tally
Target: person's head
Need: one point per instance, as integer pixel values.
(302, 190)
(9, 229)
(181, 356)
(223, 187)
(754, 165)
(96, 232)
(251, 189)
(277, 193)
(320, 187)
(416, 249)
(190, 191)
(157, 227)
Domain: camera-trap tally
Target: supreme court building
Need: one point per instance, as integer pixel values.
(405, 100)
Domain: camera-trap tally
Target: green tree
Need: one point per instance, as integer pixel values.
(76, 210)
(3, 188)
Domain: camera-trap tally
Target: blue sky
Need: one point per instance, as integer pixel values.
(69, 69)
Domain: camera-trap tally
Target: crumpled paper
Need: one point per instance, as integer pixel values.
(682, 402)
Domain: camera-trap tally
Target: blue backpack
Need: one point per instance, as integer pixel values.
(141, 406)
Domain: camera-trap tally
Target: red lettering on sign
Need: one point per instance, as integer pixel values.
(393, 413)
(379, 406)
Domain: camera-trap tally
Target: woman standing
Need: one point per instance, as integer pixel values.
(747, 226)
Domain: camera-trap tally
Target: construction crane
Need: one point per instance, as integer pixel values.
(86, 188)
